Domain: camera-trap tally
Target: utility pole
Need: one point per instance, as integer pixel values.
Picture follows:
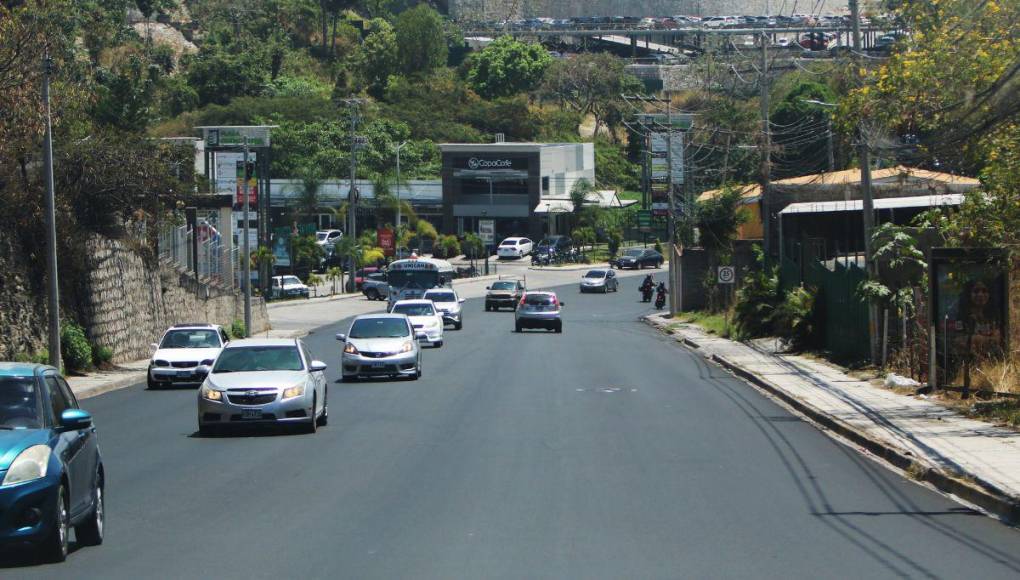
(867, 202)
(766, 154)
(828, 144)
(399, 147)
(246, 261)
(51, 222)
(352, 194)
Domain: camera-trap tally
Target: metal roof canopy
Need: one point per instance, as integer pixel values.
(219, 137)
(952, 199)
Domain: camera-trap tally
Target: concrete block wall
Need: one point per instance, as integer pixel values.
(23, 320)
(130, 303)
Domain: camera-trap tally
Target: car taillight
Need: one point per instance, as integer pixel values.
(556, 301)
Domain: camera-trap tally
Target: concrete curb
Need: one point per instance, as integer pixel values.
(317, 300)
(123, 382)
(571, 268)
(984, 494)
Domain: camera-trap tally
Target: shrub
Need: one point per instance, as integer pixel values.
(74, 347)
(757, 301)
(658, 245)
(41, 357)
(101, 354)
(794, 318)
(236, 330)
(450, 246)
(615, 239)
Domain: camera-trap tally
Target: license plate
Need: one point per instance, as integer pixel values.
(377, 366)
(251, 413)
(183, 374)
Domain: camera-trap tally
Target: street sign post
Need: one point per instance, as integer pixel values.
(727, 275)
(487, 231)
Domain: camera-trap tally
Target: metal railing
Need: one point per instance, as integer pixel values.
(209, 259)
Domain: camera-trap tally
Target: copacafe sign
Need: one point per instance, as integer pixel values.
(489, 164)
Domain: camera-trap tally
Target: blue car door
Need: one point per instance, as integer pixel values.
(89, 454)
(71, 447)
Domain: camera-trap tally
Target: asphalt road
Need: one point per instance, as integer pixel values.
(603, 452)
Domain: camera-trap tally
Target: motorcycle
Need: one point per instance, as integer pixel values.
(646, 293)
(660, 299)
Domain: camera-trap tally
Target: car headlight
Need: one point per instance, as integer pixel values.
(29, 465)
(161, 363)
(350, 349)
(207, 362)
(211, 395)
(408, 347)
(292, 392)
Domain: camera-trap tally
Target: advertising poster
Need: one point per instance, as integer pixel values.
(281, 247)
(386, 241)
(969, 307)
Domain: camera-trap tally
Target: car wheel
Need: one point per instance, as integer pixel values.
(605, 289)
(324, 418)
(54, 546)
(458, 325)
(206, 430)
(349, 378)
(488, 307)
(149, 383)
(372, 294)
(90, 532)
(518, 328)
(658, 264)
(438, 344)
(559, 328)
(313, 425)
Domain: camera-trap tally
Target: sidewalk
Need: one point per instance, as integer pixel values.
(976, 461)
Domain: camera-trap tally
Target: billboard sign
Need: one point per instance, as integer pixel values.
(970, 297)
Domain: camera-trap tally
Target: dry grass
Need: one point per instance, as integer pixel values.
(1001, 376)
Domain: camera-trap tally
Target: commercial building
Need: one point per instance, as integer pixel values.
(510, 184)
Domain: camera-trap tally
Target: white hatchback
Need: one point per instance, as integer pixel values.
(424, 317)
(514, 248)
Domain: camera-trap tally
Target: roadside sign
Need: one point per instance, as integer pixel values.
(727, 274)
(226, 137)
(487, 230)
(644, 218)
(386, 241)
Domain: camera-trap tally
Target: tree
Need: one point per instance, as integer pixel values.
(801, 130)
(584, 236)
(591, 84)
(377, 58)
(507, 67)
(472, 246)
(581, 196)
(951, 83)
(333, 274)
(421, 40)
(218, 75)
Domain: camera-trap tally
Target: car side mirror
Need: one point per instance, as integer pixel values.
(562, 303)
(341, 337)
(317, 366)
(75, 419)
(421, 336)
(202, 371)
(154, 346)
(461, 301)
(488, 288)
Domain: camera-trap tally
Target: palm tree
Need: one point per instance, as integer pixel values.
(384, 185)
(333, 274)
(263, 256)
(580, 195)
(353, 251)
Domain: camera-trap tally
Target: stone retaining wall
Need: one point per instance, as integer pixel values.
(130, 304)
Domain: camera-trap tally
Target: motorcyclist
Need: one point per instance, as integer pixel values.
(647, 287)
(660, 298)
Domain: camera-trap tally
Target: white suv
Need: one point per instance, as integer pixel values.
(514, 248)
(288, 287)
(182, 349)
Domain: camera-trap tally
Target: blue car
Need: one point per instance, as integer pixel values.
(51, 472)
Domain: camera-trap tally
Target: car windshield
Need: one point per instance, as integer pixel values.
(442, 297)
(538, 300)
(415, 309)
(258, 358)
(291, 280)
(503, 286)
(320, 236)
(19, 407)
(596, 274)
(379, 328)
(633, 253)
(191, 338)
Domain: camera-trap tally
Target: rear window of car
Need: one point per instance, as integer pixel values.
(538, 300)
(441, 297)
(634, 253)
(415, 309)
(509, 243)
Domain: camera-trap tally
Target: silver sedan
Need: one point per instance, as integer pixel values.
(263, 381)
(381, 345)
(600, 281)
